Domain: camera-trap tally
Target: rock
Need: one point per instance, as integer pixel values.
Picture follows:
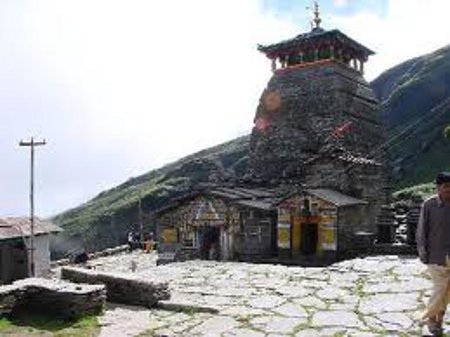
(60, 298)
(121, 289)
(336, 318)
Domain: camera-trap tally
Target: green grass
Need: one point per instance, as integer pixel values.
(4, 324)
(103, 221)
(422, 190)
(38, 325)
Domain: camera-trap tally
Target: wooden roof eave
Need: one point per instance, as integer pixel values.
(287, 46)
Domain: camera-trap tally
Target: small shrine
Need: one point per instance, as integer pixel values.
(317, 225)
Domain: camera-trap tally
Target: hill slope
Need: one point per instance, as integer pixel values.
(416, 94)
(103, 221)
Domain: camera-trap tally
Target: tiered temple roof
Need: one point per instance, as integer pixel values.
(317, 46)
(316, 37)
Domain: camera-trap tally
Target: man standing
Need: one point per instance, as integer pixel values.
(433, 245)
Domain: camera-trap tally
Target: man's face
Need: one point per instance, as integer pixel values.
(444, 191)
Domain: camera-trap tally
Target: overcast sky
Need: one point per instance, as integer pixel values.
(119, 87)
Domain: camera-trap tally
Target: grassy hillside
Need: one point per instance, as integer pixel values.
(422, 190)
(416, 94)
(103, 221)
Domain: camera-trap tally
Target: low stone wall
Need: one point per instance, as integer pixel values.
(121, 289)
(393, 249)
(106, 252)
(109, 251)
(53, 297)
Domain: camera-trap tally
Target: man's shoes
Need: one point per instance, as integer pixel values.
(434, 327)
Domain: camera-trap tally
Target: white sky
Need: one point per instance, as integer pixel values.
(119, 87)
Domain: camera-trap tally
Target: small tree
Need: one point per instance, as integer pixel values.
(447, 132)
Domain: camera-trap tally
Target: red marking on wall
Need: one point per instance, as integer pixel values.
(341, 130)
(262, 124)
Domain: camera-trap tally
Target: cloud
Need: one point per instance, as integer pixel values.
(408, 29)
(340, 3)
(120, 87)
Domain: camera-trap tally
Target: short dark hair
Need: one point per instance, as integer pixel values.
(442, 177)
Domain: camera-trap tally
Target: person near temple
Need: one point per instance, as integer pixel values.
(131, 240)
(149, 243)
(433, 245)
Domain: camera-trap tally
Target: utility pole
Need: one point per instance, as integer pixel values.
(32, 143)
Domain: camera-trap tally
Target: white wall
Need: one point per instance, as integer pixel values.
(41, 254)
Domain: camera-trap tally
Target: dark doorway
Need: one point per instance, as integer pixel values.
(13, 261)
(210, 243)
(309, 238)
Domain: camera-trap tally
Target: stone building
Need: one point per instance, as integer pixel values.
(14, 245)
(314, 226)
(317, 144)
(220, 223)
(318, 123)
(317, 225)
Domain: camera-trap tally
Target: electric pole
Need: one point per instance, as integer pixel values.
(32, 143)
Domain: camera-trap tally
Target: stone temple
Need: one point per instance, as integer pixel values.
(317, 122)
(318, 167)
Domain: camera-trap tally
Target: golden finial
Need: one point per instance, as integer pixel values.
(317, 20)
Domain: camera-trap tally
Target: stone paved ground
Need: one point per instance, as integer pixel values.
(374, 296)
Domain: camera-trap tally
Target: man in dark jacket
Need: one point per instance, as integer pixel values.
(433, 245)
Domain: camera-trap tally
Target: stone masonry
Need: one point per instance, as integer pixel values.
(54, 297)
(297, 138)
(302, 108)
(364, 297)
(125, 289)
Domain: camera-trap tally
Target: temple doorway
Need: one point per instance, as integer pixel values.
(309, 236)
(210, 243)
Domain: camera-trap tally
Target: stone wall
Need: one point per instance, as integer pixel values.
(13, 260)
(190, 218)
(121, 289)
(257, 235)
(351, 221)
(58, 298)
(102, 253)
(363, 181)
(312, 103)
(292, 141)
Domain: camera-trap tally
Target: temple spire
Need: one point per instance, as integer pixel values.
(317, 20)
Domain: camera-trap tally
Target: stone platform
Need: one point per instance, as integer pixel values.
(121, 288)
(53, 297)
(363, 297)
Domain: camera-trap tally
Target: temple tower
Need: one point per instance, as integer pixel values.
(318, 123)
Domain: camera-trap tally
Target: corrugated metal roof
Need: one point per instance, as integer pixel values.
(14, 227)
(243, 193)
(336, 198)
(265, 206)
(259, 198)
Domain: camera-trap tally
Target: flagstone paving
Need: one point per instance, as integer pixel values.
(373, 296)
